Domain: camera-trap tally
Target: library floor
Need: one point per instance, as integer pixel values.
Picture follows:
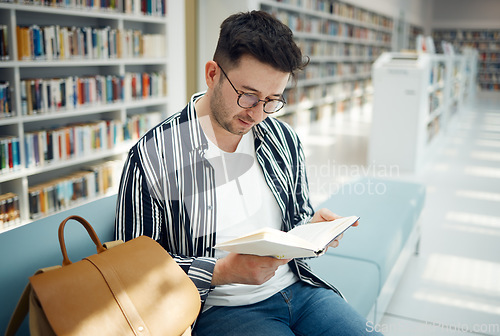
(453, 285)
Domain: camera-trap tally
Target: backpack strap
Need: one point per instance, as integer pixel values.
(20, 312)
(22, 306)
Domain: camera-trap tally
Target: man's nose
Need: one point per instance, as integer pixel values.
(257, 111)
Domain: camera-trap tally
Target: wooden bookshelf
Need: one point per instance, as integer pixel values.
(74, 101)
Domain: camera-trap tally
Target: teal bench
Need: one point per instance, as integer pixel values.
(30, 247)
(371, 258)
(365, 267)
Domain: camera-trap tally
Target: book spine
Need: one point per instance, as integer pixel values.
(4, 43)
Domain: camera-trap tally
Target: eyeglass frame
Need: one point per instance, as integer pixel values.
(241, 93)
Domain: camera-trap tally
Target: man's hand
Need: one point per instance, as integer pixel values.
(325, 215)
(245, 269)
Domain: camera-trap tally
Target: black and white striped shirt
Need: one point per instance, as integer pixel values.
(167, 191)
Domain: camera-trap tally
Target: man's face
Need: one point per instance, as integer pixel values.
(250, 76)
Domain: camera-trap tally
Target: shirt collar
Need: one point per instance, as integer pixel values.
(197, 139)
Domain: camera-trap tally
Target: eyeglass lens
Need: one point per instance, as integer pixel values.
(248, 100)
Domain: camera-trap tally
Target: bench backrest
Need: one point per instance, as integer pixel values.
(28, 248)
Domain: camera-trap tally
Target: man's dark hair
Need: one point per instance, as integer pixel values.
(262, 36)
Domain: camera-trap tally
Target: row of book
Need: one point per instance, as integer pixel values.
(438, 73)
(325, 48)
(51, 146)
(46, 147)
(136, 7)
(339, 91)
(481, 46)
(10, 214)
(58, 194)
(359, 14)
(493, 78)
(145, 7)
(344, 10)
(433, 128)
(347, 89)
(333, 92)
(435, 101)
(306, 24)
(494, 67)
(70, 43)
(314, 71)
(41, 95)
(471, 35)
(10, 154)
(489, 56)
(64, 143)
(307, 117)
(136, 125)
(4, 43)
(5, 100)
(490, 86)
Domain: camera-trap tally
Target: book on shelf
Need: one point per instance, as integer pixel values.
(308, 240)
(136, 125)
(73, 141)
(10, 159)
(156, 8)
(4, 43)
(61, 193)
(5, 100)
(45, 95)
(85, 43)
(9, 210)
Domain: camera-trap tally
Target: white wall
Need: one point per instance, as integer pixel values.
(466, 14)
(211, 13)
(176, 74)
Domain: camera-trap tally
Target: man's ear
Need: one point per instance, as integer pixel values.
(211, 73)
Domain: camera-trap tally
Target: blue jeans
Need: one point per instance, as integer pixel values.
(299, 309)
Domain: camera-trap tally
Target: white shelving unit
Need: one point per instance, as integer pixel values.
(416, 96)
(409, 102)
(166, 94)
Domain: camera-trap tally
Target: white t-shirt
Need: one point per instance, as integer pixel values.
(244, 204)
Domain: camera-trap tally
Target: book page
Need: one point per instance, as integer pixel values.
(270, 235)
(322, 233)
(307, 240)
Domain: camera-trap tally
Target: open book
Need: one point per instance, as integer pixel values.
(308, 240)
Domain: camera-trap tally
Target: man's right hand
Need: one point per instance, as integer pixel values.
(245, 269)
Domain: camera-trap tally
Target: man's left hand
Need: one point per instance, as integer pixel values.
(325, 215)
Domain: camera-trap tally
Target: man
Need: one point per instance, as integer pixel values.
(222, 168)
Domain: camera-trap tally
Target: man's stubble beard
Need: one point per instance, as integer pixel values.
(221, 114)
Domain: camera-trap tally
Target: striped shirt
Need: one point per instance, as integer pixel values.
(167, 191)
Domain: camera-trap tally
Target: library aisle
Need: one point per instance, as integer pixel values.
(452, 286)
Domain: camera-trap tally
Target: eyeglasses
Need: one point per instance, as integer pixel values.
(249, 100)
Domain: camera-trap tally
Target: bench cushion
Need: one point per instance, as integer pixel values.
(358, 280)
(388, 209)
(36, 245)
